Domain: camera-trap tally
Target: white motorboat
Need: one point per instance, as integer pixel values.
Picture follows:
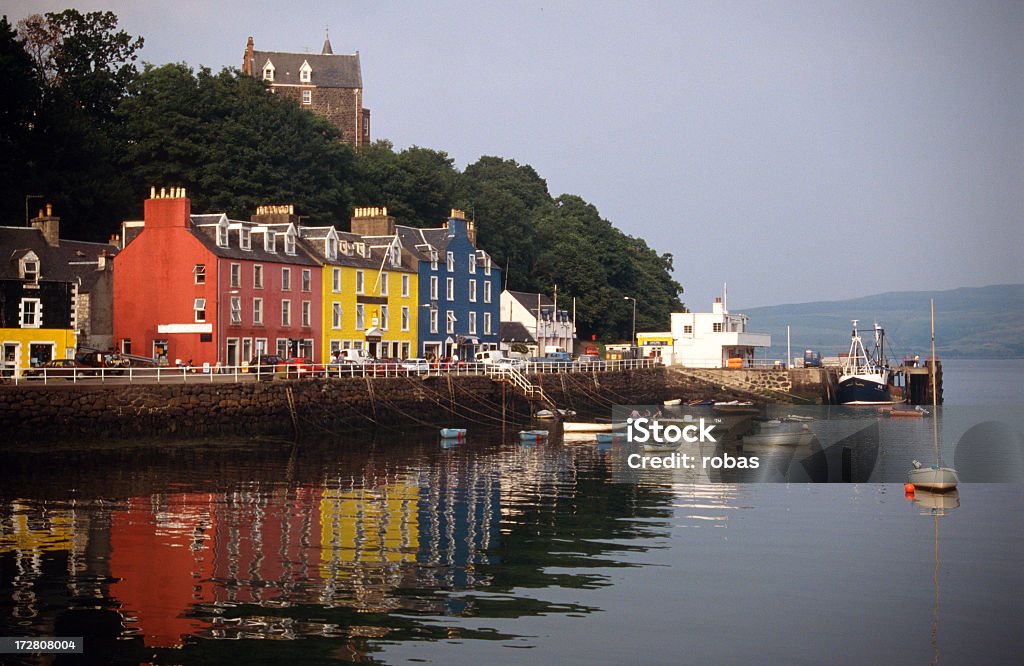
(574, 426)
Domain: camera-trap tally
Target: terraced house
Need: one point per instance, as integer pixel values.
(207, 289)
(55, 294)
(459, 288)
(368, 291)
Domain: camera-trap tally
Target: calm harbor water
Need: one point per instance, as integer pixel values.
(392, 547)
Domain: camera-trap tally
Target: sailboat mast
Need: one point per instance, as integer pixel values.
(935, 398)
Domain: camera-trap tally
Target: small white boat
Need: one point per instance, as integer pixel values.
(573, 426)
(548, 414)
(673, 403)
(611, 437)
(533, 436)
(453, 433)
(779, 438)
(933, 477)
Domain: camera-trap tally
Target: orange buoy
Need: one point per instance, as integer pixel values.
(908, 488)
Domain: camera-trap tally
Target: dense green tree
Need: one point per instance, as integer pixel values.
(233, 145)
(18, 108)
(415, 184)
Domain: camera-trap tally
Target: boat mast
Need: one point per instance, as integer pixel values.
(931, 371)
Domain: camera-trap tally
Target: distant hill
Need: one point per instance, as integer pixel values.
(982, 322)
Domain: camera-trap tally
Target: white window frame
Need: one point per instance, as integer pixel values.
(360, 282)
(383, 284)
(472, 291)
(307, 97)
(286, 312)
(270, 241)
(472, 264)
(245, 239)
(235, 275)
(450, 322)
(331, 248)
(450, 261)
(36, 314)
(305, 73)
(336, 280)
(257, 312)
(487, 323)
(385, 315)
(336, 315)
(289, 242)
(433, 260)
(199, 309)
(307, 279)
(286, 279)
(433, 287)
(257, 276)
(449, 288)
(472, 323)
(405, 286)
(360, 317)
(405, 317)
(236, 310)
(487, 291)
(222, 234)
(433, 320)
(199, 274)
(307, 314)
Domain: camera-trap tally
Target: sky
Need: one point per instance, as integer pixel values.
(797, 151)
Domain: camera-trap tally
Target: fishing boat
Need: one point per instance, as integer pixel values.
(453, 433)
(864, 378)
(582, 426)
(533, 436)
(611, 437)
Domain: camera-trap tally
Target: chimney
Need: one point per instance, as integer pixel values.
(276, 214)
(247, 59)
(49, 224)
(373, 221)
(167, 208)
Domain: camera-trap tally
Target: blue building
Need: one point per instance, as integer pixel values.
(459, 289)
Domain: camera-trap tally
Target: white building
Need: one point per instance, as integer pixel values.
(552, 329)
(706, 340)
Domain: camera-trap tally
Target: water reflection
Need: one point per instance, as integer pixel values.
(146, 549)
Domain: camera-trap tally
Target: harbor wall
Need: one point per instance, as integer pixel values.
(279, 408)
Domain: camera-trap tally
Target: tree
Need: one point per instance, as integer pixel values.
(18, 107)
(416, 184)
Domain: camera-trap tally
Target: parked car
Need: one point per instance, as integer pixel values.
(416, 365)
(589, 362)
(112, 362)
(387, 367)
(299, 368)
(62, 368)
(510, 364)
(265, 365)
(342, 367)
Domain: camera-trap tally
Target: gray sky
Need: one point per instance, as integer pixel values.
(797, 150)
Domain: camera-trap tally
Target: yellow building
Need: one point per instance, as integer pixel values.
(368, 293)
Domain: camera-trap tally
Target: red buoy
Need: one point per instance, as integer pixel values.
(908, 488)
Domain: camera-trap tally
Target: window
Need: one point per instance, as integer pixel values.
(261, 346)
(450, 261)
(472, 264)
(31, 313)
(30, 269)
(200, 309)
(688, 329)
(433, 320)
(199, 271)
(472, 323)
(282, 347)
(257, 276)
(360, 316)
(405, 286)
(268, 71)
(307, 313)
(286, 313)
(289, 243)
(472, 291)
(450, 328)
(487, 323)
(236, 275)
(286, 279)
(717, 327)
(307, 279)
(384, 317)
(383, 284)
(257, 311)
(236, 310)
(336, 315)
(307, 96)
(305, 72)
(449, 288)
(405, 317)
(270, 241)
(487, 266)
(433, 260)
(487, 292)
(359, 282)
(433, 287)
(222, 235)
(244, 239)
(332, 248)
(336, 280)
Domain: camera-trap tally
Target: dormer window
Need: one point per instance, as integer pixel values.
(289, 242)
(361, 249)
(331, 247)
(29, 265)
(270, 241)
(268, 71)
(244, 239)
(433, 260)
(305, 73)
(472, 264)
(222, 234)
(346, 249)
(396, 256)
(450, 256)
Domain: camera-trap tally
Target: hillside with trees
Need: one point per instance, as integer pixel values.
(88, 130)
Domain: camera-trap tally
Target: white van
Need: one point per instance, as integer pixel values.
(490, 356)
(360, 356)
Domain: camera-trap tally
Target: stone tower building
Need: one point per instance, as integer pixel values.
(326, 83)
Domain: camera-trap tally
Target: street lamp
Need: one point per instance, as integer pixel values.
(630, 298)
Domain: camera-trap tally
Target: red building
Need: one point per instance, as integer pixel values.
(206, 289)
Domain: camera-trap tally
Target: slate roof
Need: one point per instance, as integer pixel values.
(207, 235)
(328, 70)
(529, 301)
(513, 331)
(70, 261)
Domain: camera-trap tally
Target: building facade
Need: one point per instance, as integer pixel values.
(552, 329)
(708, 339)
(206, 289)
(55, 294)
(329, 84)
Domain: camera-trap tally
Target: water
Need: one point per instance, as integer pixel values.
(394, 548)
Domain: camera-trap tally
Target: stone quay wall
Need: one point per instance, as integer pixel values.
(281, 408)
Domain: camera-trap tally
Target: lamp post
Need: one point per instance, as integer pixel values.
(632, 341)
